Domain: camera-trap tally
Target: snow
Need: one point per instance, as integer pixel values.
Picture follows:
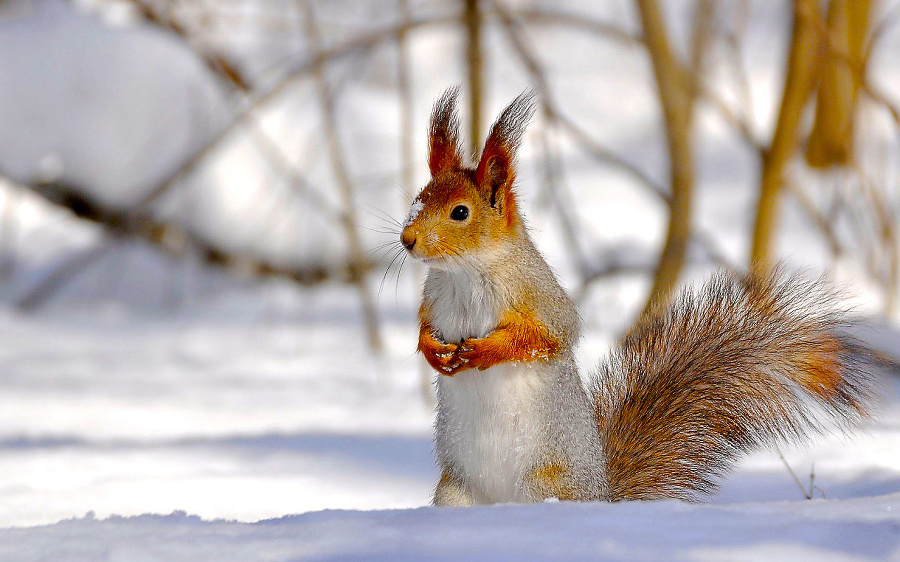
(821, 530)
(414, 211)
(247, 421)
(134, 102)
(128, 414)
(279, 438)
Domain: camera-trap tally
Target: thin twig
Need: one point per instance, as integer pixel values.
(793, 475)
(69, 268)
(888, 237)
(279, 162)
(607, 156)
(552, 116)
(822, 223)
(546, 16)
(260, 99)
(171, 237)
(552, 170)
(733, 41)
(345, 183)
(215, 61)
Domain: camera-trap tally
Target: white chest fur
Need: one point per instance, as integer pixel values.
(487, 428)
(487, 419)
(463, 305)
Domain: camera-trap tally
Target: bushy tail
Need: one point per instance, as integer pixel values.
(743, 363)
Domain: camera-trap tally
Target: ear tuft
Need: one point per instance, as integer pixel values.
(496, 168)
(443, 135)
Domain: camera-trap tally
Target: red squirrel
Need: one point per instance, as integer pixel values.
(743, 363)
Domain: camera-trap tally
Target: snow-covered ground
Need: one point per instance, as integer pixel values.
(153, 411)
(220, 415)
(111, 422)
(836, 530)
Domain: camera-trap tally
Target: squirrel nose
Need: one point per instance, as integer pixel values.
(408, 239)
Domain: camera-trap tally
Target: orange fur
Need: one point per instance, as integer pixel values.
(445, 479)
(496, 172)
(441, 356)
(822, 373)
(443, 138)
(721, 372)
(519, 337)
(552, 480)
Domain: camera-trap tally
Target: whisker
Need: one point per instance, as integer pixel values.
(383, 215)
(384, 277)
(390, 243)
(397, 282)
(408, 197)
(383, 249)
(382, 230)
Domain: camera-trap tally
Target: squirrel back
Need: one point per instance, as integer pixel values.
(745, 362)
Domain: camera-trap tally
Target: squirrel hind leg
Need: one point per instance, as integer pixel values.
(551, 480)
(451, 492)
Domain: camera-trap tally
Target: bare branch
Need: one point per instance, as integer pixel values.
(799, 81)
(260, 99)
(171, 237)
(70, 267)
(676, 104)
(609, 157)
(821, 222)
(554, 117)
(279, 162)
(552, 114)
(474, 72)
(214, 61)
(345, 184)
(545, 16)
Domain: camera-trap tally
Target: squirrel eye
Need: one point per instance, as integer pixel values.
(459, 213)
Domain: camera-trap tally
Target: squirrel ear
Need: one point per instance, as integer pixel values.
(496, 169)
(443, 135)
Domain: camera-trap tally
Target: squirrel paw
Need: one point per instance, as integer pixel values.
(443, 358)
(473, 354)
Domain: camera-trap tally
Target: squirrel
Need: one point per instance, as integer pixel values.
(742, 363)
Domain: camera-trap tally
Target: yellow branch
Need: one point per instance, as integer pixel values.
(803, 59)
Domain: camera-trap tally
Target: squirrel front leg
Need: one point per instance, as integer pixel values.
(519, 337)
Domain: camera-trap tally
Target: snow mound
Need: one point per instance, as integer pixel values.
(822, 530)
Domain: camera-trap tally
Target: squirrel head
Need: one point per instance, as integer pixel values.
(467, 212)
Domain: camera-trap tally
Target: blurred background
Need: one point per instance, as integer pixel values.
(203, 305)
